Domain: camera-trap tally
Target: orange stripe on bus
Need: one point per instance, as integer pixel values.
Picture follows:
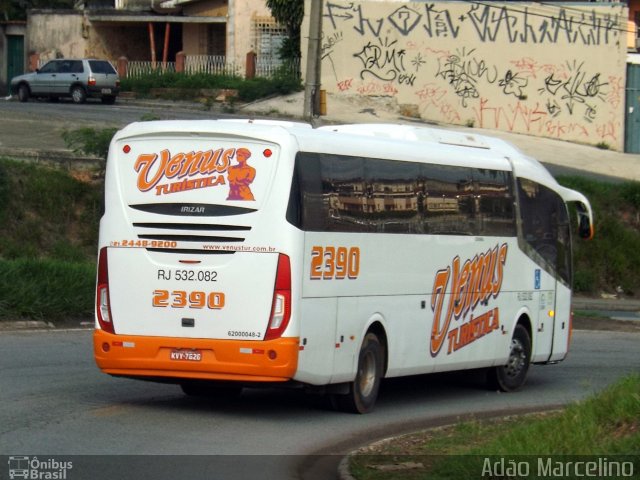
(221, 359)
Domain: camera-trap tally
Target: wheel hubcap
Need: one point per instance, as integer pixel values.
(517, 359)
(367, 374)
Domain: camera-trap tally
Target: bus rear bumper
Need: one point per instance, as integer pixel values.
(228, 360)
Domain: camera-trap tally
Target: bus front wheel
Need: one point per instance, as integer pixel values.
(363, 391)
(512, 376)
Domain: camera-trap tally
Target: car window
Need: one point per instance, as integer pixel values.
(76, 66)
(100, 66)
(50, 67)
(64, 67)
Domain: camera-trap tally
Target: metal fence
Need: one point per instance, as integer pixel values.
(138, 69)
(267, 67)
(210, 64)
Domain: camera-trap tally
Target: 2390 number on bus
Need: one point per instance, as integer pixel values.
(329, 263)
(184, 299)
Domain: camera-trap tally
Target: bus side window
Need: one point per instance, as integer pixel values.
(545, 225)
(494, 203)
(392, 196)
(448, 200)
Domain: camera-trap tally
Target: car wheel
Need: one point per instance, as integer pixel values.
(363, 391)
(23, 93)
(109, 99)
(78, 95)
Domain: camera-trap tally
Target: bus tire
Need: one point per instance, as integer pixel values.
(512, 376)
(363, 391)
(212, 390)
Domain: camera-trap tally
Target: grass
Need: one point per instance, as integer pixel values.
(605, 425)
(49, 215)
(612, 258)
(48, 238)
(46, 289)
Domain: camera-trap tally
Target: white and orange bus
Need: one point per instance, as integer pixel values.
(238, 253)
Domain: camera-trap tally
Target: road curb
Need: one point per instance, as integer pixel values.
(59, 158)
(26, 325)
(606, 304)
(40, 325)
(343, 472)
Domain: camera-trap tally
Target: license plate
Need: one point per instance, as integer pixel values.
(106, 90)
(186, 355)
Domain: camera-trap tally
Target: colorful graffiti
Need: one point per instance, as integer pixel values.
(462, 62)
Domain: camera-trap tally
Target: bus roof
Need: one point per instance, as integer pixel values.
(401, 142)
(391, 141)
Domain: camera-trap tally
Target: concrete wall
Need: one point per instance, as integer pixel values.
(634, 8)
(112, 42)
(53, 33)
(240, 39)
(547, 70)
(210, 8)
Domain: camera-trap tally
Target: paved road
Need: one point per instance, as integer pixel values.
(54, 402)
(39, 125)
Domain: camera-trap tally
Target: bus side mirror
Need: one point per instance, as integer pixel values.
(585, 226)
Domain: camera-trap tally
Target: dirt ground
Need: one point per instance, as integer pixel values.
(600, 323)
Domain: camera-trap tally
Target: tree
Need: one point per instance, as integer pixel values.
(17, 9)
(289, 14)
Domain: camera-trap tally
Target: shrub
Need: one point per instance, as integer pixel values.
(89, 141)
(188, 86)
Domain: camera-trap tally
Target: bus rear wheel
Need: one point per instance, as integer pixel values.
(512, 376)
(363, 391)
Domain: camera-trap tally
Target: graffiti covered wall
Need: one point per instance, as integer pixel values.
(547, 70)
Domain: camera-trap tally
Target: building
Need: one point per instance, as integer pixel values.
(12, 34)
(155, 31)
(549, 69)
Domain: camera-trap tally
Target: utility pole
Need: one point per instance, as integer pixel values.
(314, 54)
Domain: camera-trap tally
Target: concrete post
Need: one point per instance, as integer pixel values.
(34, 58)
(250, 65)
(123, 62)
(181, 58)
(312, 78)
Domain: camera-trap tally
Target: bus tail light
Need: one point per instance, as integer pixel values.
(103, 305)
(570, 329)
(281, 306)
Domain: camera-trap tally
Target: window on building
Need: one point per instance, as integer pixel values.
(267, 37)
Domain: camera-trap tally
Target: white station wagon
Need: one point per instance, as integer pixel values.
(73, 78)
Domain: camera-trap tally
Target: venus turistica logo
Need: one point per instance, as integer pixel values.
(165, 173)
(467, 285)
